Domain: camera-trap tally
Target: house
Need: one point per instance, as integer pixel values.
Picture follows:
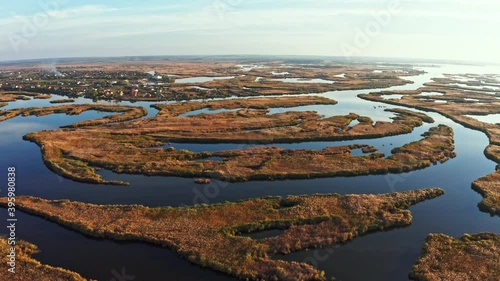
(134, 92)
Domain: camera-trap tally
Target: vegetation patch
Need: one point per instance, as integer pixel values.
(457, 108)
(128, 113)
(472, 257)
(252, 123)
(10, 96)
(207, 234)
(63, 101)
(28, 268)
(156, 81)
(489, 186)
(73, 154)
(131, 147)
(369, 149)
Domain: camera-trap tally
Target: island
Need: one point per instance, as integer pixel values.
(209, 235)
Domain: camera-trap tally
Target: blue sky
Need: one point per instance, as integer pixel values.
(448, 29)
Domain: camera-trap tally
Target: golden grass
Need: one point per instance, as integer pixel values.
(28, 269)
(470, 258)
(248, 86)
(255, 126)
(489, 186)
(128, 147)
(128, 113)
(175, 109)
(62, 101)
(10, 96)
(244, 82)
(456, 109)
(252, 124)
(207, 234)
(72, 153)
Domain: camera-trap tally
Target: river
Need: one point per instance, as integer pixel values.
(378, 256)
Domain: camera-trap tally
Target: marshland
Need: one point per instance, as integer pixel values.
(207, 235)
(459, 257)
(29, 268)
(389, 254)
(458, 107)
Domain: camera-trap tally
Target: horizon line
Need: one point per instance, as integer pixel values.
(242, 56)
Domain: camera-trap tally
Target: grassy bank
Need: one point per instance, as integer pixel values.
(206, 234)
(456, 108)
(73, 154)
(27, 268)
(63, 101)
(472, 257)
(127, 113)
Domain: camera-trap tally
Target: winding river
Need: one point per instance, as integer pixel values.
(378, 256)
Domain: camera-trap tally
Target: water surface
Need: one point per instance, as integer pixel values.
(380, 256)
(202, 79)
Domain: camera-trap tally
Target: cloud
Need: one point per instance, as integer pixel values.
(92, 10)
(55, 14)
(99, 21)
(91, 29)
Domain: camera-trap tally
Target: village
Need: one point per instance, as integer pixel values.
(124, 85)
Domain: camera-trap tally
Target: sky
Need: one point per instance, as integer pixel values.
(463, 30)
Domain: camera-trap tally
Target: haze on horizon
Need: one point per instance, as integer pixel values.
(446, 30)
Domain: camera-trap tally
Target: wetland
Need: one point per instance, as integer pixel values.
(267, 151)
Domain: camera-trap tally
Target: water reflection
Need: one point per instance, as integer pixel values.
(492, 118)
